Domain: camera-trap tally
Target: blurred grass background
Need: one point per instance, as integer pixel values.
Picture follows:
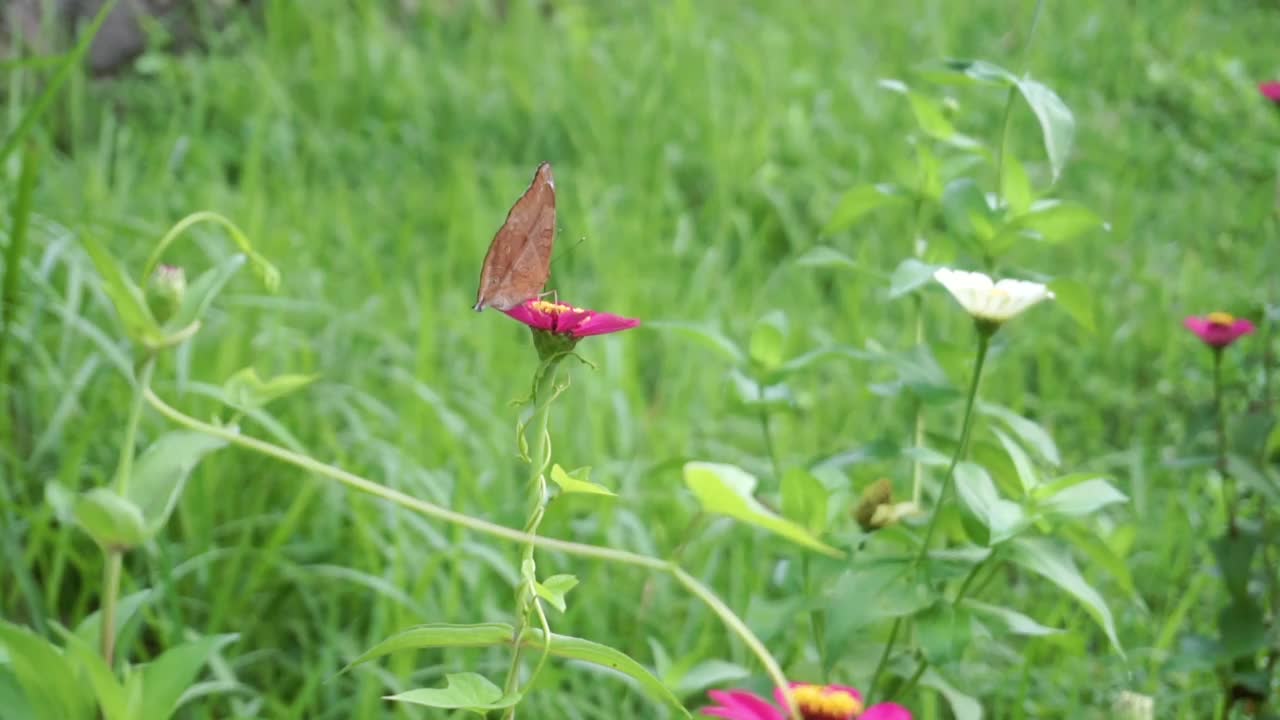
(371, 150)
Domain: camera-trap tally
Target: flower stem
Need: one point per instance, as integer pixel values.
(527, 603)
(436, 512)
(984, 340)
(113, 565)
(1228, 490)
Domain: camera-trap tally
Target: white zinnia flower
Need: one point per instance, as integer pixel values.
(991, 301)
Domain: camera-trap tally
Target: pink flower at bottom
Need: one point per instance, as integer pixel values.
(815, 702)
(1271, 91)
(1218, 329)
(563, 319)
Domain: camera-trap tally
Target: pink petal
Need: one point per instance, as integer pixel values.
(1270, 90)
(599, 323)
(534, 318)
(1216, 335)
(886, 711)
(741, 705)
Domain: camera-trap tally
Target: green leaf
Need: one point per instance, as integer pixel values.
(1078, 300)
(1057, 222)
(246, 391)
(47, 680)
(1002, 518)
(768, 340)
(573, 648)
(859, 201)
(1056, 566)
(910, 275)
(13, 699)
(110, 693)
(114, 522)
(804, 499)
(826, 257)
(1243, 629)
(554, 588)
(1022, 464)
(966, 210)
(125, 296)
(872, 592)
(727, 490)
(200, 293)
(1083, 498)
(1031, 435)
(1100, 555)
(963, 706)
(166, 678)
(462, 691)
(576, 482)
(438, 635)
(930, 117)
(1010, 620)
(1015, 187)
(1234, 553)
(1057, 124)
(162, 470)
(981, 71)
(943, 631)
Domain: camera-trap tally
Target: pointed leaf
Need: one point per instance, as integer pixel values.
(1057, 124)
(554, 588)
(910, 275)
(768, 340)
(1002, 518)
(727, 490)
(1079, 301)
(826, 257)
(1083, 498)
(161, 473)
(963, 706)
(576, 482)
(246, 391)
(125, 296)
(859, 201)
(438, 635)
(462, 691)
(1022, 464)
(110, 694)
(1039, 556)
(166, 678)
(573, 648)
(1010, 620)
(1031, 435)
(51, 688)
(943, 631)
(1056, 222)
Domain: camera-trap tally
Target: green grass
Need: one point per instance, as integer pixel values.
(699, 147)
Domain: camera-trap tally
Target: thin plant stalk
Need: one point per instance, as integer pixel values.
(984, 339)
(948, 480)
(436, 512)
(527, 602)
(114, 557)
(1220, 421)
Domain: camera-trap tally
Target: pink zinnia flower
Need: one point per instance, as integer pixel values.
(1218, 329)
(1270, 90)
(815, 702)
(562, 319)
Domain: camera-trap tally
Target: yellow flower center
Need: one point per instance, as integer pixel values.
(551, 308)
(1221, 318)
(817, 702)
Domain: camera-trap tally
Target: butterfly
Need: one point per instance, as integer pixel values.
(519, 258)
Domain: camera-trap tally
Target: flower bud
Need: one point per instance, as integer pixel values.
(166, 290)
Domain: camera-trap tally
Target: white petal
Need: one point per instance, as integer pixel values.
(995, 301)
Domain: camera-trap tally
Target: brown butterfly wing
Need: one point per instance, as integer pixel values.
(519, 259)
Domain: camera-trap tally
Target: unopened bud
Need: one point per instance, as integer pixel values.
(167, 288)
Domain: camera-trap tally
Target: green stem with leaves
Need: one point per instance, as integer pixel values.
(948, 480)
(114, 557)
(527, 603)
(501, 532)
